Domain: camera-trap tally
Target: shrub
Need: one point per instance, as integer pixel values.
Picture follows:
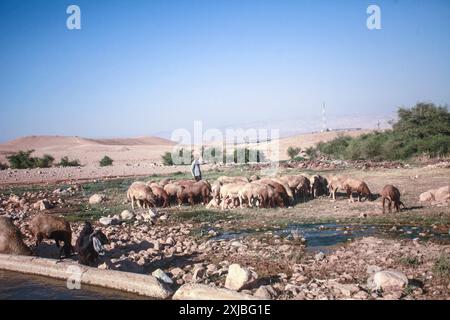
(65, 162)
(23, 160)
(421, 130)
(167, 159)
(106, 161)
(293, 152)
(45, 162)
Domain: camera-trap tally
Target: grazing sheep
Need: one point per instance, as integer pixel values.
(55, 228)
(230, 191)
(334, 184)
(89, 245)
(297, 184)
(391, 194)
(252, 192)
(286, 188)
(358, 186)
(279, 197)
(161, 196)
(164, 182)
(303, 189)
(11, 239)
(142, 194)
(199, 191)
(319, 185)
(174, 191)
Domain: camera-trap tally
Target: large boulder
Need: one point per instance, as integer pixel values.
(97, 198)
(436, 195)
(388, 280)
(205, 292)
(239, 277)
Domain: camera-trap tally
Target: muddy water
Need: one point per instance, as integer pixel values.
(15, 286)
(325, 237)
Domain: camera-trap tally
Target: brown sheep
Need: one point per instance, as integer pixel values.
(391, 194)
(280, 196)
(286, 188)
(200, 191)
(11, 239)
(303, 189)
(55, 228)
(319, 185)
(358, 186)
(161, 196)
(142, 194)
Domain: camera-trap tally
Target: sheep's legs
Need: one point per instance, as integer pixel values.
(384, 203)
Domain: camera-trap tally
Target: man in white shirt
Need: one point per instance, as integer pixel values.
(195, 170)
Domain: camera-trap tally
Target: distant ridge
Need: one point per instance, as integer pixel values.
(37, 142)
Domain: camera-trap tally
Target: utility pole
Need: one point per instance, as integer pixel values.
(378, 125)
(324, 119)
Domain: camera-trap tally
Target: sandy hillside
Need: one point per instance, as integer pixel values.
(132, 156)
(90, 151)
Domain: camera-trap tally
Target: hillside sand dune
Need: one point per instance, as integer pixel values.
(132, 156)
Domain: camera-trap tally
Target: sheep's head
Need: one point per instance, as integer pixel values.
(153, 214)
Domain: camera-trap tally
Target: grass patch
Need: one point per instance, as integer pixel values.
(442, 266)
(410, 261)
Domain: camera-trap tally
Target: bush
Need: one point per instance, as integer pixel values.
(422, 130)
(293, 152)
(106, 161)
(65, 162)
(167, 159)
(23, 160)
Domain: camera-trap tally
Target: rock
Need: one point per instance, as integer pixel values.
(206, 292)
(161, 275)
(97, 198)
(388, 280)
(42, 205)
(320, 256)
(347, 290)
(176, 272)
(239, 277)
(265, 292)
(107, 221)
(126, 215)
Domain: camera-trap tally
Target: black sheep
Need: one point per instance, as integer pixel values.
(90, 245)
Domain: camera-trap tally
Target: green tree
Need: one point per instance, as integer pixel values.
(293, 152)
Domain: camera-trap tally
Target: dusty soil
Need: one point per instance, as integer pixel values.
(186, 242)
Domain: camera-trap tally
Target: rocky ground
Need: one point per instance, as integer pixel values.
(184, 245)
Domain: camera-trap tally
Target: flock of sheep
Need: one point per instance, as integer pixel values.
(225, 192)
(232, 192)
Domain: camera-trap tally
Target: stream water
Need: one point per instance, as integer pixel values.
(15, 286)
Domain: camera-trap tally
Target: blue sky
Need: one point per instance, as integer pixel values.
(140, 67)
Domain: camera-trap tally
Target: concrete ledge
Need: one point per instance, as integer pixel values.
(205, 292)
(145, 285)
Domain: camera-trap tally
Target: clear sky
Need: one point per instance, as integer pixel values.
(139, 67)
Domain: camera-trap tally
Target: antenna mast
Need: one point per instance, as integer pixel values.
(324, 119)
